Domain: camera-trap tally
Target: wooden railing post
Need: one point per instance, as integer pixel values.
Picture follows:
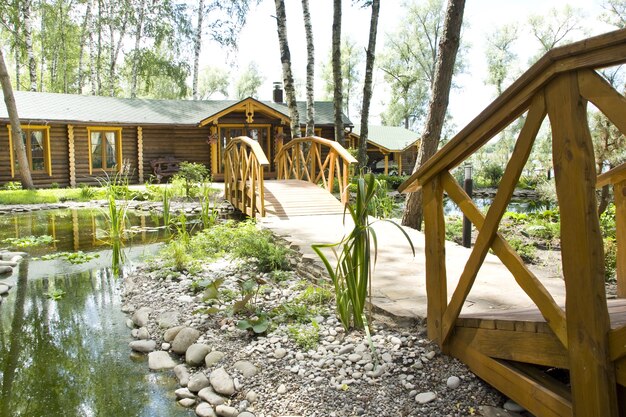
(435, 254)
(592, 373)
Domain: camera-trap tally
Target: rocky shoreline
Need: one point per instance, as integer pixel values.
(225, 371)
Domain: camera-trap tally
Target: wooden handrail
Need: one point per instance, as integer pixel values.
(597, 52)
(244, 164)
(323, 160)
(613, 176)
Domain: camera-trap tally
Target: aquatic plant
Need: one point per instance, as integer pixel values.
(78, 257)
(29, 241)
(351, 276)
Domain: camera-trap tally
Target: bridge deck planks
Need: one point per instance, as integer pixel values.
(289, 198)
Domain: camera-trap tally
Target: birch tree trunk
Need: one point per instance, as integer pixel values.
(136, 54)
(16, 128)
(42, 55)
(367, 84)
(337, 81)
(28, 40)
(121, 9)
(310, 70)
(81, 54)
(197, 47)
(448, 48)
(285, 59)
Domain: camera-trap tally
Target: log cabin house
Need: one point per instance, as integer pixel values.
(76, 139)
(385, 141)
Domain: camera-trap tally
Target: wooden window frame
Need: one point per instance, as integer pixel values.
(244, 128)
(47, 157)
(118, 147)
(317, 131)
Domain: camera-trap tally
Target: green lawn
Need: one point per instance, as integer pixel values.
(44, 196)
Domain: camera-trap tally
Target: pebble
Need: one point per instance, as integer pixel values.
(226, 411)
(205, 410)
(160, 360)
(143, 346)
(222, 382)
(182, 374)
(198, 381)
(207, 394)
(140, 317)
(4, 289)
(184, 393)
(171, 333)
(213, 357)
(187, 402)
(280, 353)
(282, 389)
(252, 396)
(185, 338)
(195, 354)
(246, 368)
(453, 382)
(425, 397)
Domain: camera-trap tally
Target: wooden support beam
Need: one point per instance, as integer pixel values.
(598, 91)
(533, 395)
(140, 154)
(71, 157)
(435, 252)
(619, 193)
(386, 164)
(591, 371)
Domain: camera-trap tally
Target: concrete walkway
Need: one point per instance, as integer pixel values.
(398, 285)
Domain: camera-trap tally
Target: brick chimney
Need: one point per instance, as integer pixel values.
(278, 92)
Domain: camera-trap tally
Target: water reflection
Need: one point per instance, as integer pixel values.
(70, 357)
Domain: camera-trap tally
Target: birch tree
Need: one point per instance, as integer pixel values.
(16, 128)
(140, 13)
(28, 40)
(310, 70)
(337, 81)
(438, 106)
(367, 84)
(285, 59)
(197, 47)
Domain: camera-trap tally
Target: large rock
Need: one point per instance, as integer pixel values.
(195, 354)
(143, 346)
(246, 368)
(168, 319)
(141, 316)
(184, 393)
(160, 360)
(171, 333)
(185, 338)
(226, 411)
(213, 357)
(207, 394)
(222, 382)
(197, 382)
(4, 289)
(142, 333)
(205, 410)
(5, 270)
(182, 374)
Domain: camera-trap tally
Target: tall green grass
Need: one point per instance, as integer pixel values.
(355, 256)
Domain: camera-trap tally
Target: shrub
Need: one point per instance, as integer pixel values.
(305, 336)
(492, 173)
(525, 250)
(191, 173)
(454, 229)
(610, 258)
(13, 185)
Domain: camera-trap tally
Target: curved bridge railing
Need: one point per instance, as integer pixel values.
(559, 85)
(244, 165)
(316, 160)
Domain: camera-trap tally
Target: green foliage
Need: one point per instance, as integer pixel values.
(607, 222)
(610, 258)
(454, 229)
(526, 251)
(257, 324)
(29, 241)
(393, 181)
(208, 213)
(86, 192)
(381, 205)
(351, 274)
(55, 294)
(249, 82)
(12, 185)
(179, 255)
(75, 258)
(192, 173)
(305, 336)
(55, 185)
(166, 206)
(491, 174)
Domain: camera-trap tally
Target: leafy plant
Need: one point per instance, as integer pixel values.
(610, 258)
(305, 336)
(208, 213)
(29, 241)
(257, 324)
(191, 173)
(526, 251)
(13, 185)
(352, 272)
(166, 206)
(86, 192)
(79, 257)
(381, 205)
(55, 294)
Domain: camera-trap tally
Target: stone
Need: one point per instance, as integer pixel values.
(453, 382)
(226, 411)
(160, 360)
(140, 317)
(222, 382)
(198, 381)
(182, 374)
(346, 349)
(207, 394)
(184, 393)
(213, 357)
(395, 340)
(252, 396)
(142, 333)
(187, 402)
(488, 411)
(5, 269)
(246, 414)
(168, 319)
(185, 338)
(143, 346)
(425, 397)
(128, 308)
(4, 289)
(282, 389)
(205, 410)
(246, 368)
(386, 357)
(195, 354)
(165, 346)
(354, 357)
(171, 333)
(280, 353)
(511, 405)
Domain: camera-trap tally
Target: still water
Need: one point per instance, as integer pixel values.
(70, 357)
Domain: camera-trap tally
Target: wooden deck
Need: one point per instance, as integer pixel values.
(289, 198)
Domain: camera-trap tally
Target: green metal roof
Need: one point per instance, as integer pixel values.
(392, 138)
(54, 107)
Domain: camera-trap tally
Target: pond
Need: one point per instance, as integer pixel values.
(70, 357)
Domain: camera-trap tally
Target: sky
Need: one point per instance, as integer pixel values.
(258, 43)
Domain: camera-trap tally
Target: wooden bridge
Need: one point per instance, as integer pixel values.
(512, 349)
(308, 170)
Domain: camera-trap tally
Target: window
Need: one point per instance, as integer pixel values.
(105, 148)
(37, 144)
